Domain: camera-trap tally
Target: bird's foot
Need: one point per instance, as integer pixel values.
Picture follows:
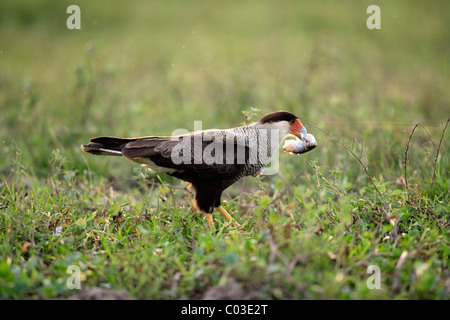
(227, 216)
(231, 222)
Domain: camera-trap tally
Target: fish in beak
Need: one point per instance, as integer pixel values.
(304, 142)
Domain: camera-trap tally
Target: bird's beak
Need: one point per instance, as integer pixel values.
(298, 130)
(301, 135)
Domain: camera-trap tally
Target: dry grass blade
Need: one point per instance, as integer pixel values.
(438, 151)
(401, 261)
(406, 160)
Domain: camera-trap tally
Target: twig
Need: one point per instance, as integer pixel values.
(437, 155)
(428, 134)
(398, 268)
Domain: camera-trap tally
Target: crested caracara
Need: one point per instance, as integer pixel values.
(211, 160)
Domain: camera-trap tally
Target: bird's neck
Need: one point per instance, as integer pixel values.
(271, 134)
(262, 139)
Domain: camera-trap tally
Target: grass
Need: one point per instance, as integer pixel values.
(374, 192)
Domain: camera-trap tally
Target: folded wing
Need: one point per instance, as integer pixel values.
(208, 155)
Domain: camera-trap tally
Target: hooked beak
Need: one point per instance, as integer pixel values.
(298, 130)
(302, 133)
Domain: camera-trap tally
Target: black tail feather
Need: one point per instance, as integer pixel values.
(106, 146)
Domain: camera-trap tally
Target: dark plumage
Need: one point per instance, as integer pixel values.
(278, 116)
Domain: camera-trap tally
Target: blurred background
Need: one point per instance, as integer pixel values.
(141, 68)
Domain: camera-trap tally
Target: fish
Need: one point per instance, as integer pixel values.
(299, 146)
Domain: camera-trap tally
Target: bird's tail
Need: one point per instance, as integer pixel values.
(106, 146)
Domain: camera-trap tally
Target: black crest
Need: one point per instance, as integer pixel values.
(278, 116)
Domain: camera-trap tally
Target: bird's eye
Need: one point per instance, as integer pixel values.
(292, 121)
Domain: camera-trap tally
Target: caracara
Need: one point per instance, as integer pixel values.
(211, 160)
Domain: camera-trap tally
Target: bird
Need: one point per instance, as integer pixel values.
(210, 160)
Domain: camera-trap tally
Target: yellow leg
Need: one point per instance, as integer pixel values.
(227, 216)
(209, 219)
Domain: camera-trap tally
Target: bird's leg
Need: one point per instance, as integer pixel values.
(258, 173)
(227, 215)
(209, 219)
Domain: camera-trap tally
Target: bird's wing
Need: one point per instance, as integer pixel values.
(210, 154)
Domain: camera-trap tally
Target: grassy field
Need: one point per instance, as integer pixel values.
(375, 192)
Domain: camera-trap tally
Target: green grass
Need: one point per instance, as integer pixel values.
(146, 69)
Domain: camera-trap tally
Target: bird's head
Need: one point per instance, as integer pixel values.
(287, 122)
